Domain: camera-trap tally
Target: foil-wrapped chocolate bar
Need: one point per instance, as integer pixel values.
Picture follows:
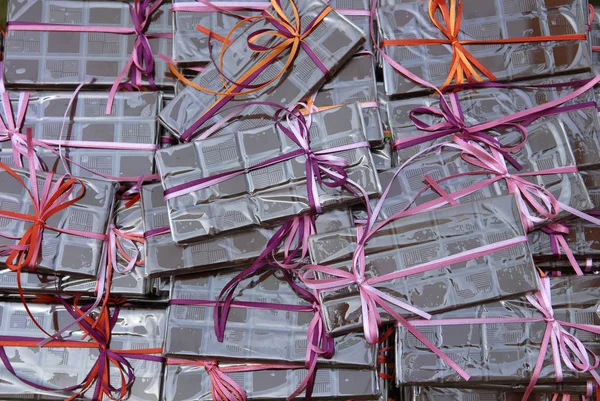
(357, 12)
(581, 239)
(265, 195)
(192, 383)
(333, 40)
(60, 252)
(594, 37)
(543, 51)
(425, 237)
(469, 394)
(501, 353)
(132, 284)
(192, 46)
(120, 146)
(355, 82)
(546, 148)
(253, 334)
(136, 329)
(579, 122)
(65, 59)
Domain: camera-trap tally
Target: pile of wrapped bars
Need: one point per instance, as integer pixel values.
(279, 199)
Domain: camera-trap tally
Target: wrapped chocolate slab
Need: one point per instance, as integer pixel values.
(58, 367)
(547, 148)
(498, 352)
(119, 146)
(579, 122)
(268, 331)
(79, 208)
(191, 45)
(591, 178)
(581, 238)
(263, 195)
(358, 12)
(553, 41)
(331, 38)
(469, 394)
(355, 82)
(192, 383)
(425, 237)
(594, 37)
(131, 284)
(99, 41)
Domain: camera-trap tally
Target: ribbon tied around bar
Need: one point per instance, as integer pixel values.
(322, 166)
(464, 66)
(557, 232)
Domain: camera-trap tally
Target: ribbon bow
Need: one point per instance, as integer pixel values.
(319, 164)
(464, 66)
(557, 232)
(565, 346)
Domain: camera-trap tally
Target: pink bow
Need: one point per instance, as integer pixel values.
(557, 232)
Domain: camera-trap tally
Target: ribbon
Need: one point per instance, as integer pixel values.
(223, 388)
(557, 232)
(290, 37)
(464, 65)
(566, 349)
(319, 164)
(140, 63)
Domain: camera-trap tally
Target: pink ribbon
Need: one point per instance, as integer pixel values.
(566, 348)
(557, 232)
(141, 61)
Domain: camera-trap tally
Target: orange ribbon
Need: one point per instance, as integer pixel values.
(464, 65)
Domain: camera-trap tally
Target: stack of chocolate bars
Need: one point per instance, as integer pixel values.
(207, 200)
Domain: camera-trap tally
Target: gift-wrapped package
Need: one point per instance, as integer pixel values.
(118, 146)
(164, 257)
(415, 240)
(358, 12)
(547, 148)
(355, 82)
(192, 383)
(498, 352)
(469, 394)
(580, 125)
(36, 54)
(581, 239)
(191, 45)
(331, 41)
(130, 284)
(262, 195)
(264, 332)
(423, 40)
(594, 36)
(79, 249)
(60, 367)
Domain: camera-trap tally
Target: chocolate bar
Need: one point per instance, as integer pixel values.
(136, 329)
(501, 353)
(481, 105)
(594, 37)
(581, 240)
(66, 59)
(355, 82)
(187, 383)
(468, 394)
(483, 23)
(192, 46)
(265, 195)
(333, 40)
(60, 252)
(254, 334)
(131, 124)
(422, 238)
(133, 284)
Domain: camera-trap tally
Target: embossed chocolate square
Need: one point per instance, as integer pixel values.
(355, 82)
(503, 352)
(119, 146)
(410, 242)
(36, 55)
(55, 367)
(547, 39)
(76, 247)
(577, 119)
(261, 194)
(262, 332)
(330, 38)
(191, 383)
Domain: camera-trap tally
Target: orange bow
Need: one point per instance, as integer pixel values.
(464, 65)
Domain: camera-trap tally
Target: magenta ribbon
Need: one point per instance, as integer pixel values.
(566, 348)
(557, 232)
(318, 163)
(141, 61)
(247, 83)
